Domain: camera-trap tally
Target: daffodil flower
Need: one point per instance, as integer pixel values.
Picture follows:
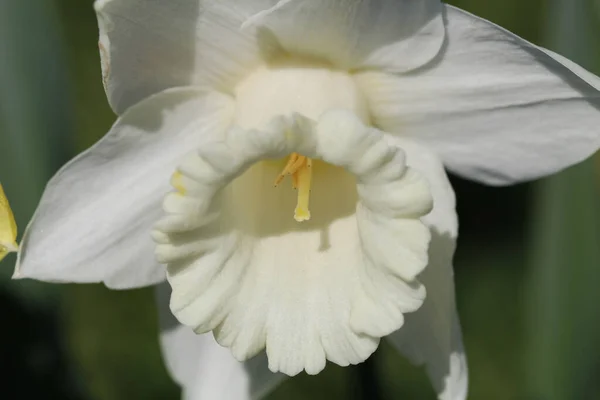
(301, 146)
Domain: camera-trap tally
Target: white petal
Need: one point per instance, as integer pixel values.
(396, 35)
(151, 45)
(328, 288)
(203, 368)
(495, 107)
(93, 222)
(431, 335)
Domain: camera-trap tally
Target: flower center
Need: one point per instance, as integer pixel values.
(326, 289)
(300, 169)
(290, 85)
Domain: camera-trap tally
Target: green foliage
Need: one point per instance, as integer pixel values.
(36, 119)
(563, 318)
(113, 337)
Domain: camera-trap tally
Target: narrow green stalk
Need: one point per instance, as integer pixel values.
(35, 117)
(563, 314)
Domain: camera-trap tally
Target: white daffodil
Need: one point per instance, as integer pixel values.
(348, 107)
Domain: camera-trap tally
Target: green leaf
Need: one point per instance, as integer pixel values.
(564, 323)
(563, 317)
(113, 337)
(35, 116)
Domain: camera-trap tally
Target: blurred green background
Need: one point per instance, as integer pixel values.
(527, 265)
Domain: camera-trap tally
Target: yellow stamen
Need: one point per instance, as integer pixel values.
(300, 169)
(293, 164)
(294, 181)
(177, 183)
(304, 178)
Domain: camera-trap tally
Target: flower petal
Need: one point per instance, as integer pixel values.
(93, 222)
(8, 227)
(431, 335)
(495, 107)
(203, 368)
(328, 288)
(396, 35)
(148, 46)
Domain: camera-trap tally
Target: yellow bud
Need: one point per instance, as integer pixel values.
(8, 227)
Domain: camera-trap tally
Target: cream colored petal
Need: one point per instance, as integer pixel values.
(497, 108)
(431, 336)
(393, 35)
(147, 46)
(203, 368)
(93, 221)
(325, 289)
